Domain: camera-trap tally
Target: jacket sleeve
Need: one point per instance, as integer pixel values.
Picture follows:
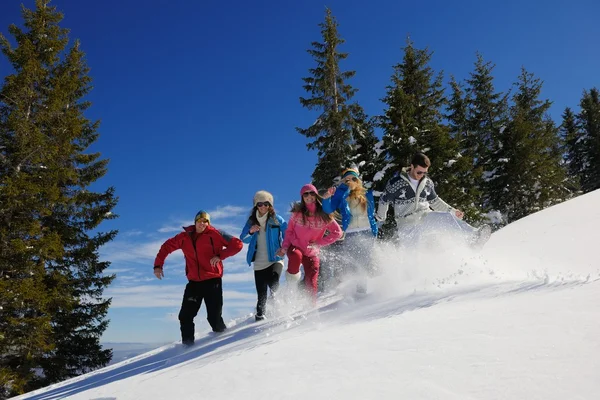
(167, 248)
(283, 228)
(333, 203)
(436, 202)
(382, 208)
(289, 233)
(384, 202)
(231, 245)
(245, 236)
(335, 232)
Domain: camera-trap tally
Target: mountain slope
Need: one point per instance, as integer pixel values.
(518, 320)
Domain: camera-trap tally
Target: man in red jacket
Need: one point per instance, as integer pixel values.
(204, 249)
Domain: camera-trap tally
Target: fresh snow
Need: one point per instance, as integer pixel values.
(519, 320)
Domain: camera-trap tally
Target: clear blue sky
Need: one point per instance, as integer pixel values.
(199, 101)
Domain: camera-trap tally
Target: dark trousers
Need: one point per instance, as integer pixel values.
(265, 278)
(211, 291)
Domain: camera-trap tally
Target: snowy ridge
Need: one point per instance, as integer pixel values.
(517, 321)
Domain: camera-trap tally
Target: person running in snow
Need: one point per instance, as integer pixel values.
(204, 248)
(413, 196)
(304, 237)
(357, 208)
(264, 232)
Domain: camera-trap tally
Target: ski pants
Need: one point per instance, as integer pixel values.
(311, 268)
(356, 253)
(211, 290)
(265, 279)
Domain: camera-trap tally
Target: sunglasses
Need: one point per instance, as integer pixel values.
(202, 220)
(353, 179)
(263, 204)
(306, 194)
(420, 173)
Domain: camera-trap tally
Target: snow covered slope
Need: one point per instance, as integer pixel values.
(520, 320)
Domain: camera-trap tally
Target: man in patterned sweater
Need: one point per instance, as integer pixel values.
(413, 196)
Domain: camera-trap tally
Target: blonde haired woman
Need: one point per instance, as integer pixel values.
(357, 208)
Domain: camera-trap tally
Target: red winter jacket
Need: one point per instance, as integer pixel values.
(209, 243)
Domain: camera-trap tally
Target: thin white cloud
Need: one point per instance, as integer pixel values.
(228, 212)
(150, 296)
(132, 233)
(238, 278)
(124, 251)
(173, 228)
(111, 270)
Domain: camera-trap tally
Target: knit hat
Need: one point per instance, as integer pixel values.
(262, 196)
(202, 215)
(308, 188)
(350, 172)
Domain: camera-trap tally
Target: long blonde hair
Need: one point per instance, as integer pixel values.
(359, 193)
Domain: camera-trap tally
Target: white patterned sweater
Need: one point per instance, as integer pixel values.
(409, 205)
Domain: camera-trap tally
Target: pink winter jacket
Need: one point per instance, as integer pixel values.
(301, 233)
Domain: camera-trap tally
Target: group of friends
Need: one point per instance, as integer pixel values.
(345, 215)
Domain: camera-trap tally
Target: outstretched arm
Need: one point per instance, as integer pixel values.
(437, 204)
(167, 248)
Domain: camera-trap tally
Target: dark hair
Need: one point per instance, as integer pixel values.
(421, 160)
(300, 207)
(252, 217)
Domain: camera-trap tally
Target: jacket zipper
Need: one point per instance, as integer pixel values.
(195, 251)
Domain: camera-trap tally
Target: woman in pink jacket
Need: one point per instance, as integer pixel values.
(304, 236)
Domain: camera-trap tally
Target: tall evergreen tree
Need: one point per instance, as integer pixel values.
(573, 140)
(368, 154)
(487, 117)
(413, 121)
(333, 133)
(468, 197)
(589, 125)
(528, 174)
(52, 311)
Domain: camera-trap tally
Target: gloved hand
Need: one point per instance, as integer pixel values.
(158, 272)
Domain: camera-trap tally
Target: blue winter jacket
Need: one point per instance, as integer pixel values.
(339, 202)
(275, 231)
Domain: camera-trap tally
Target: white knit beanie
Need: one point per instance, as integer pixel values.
(261, 196)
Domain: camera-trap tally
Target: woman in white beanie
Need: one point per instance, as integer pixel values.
(264, 232)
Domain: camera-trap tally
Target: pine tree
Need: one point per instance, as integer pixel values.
(368, 155)
(468, 197)
(529, 175)
(589, 125)
(487, 117)
(52, 312)
(333, 133)
(573, 139)
(413, 121)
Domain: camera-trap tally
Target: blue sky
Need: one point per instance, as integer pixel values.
(198, 102)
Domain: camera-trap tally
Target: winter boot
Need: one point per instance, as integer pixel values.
(292, 280)
(187, 343)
